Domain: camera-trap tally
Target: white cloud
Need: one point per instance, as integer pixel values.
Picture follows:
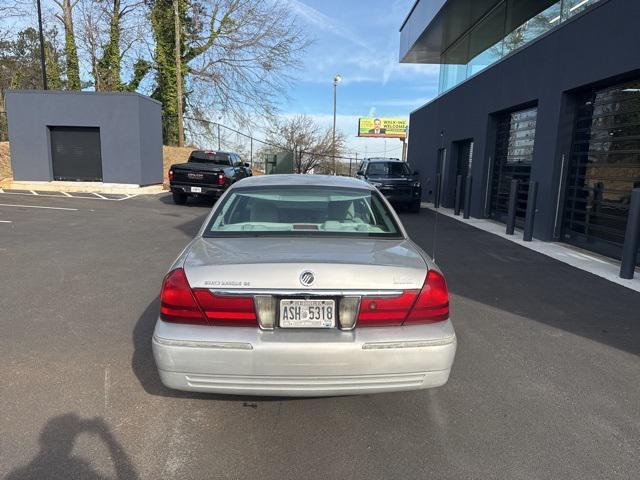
(355, 55)
(401, 102)
(326, 23)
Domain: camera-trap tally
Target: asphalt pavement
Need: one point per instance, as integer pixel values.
(545, 383)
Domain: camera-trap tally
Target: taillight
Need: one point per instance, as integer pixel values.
(432, 304)
(223, 310)
(385, 311)
(179, 303)
(170, 175)
(428, 305)
(221, 179)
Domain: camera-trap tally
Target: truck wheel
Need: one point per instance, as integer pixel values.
(179, 198)
(414, 207)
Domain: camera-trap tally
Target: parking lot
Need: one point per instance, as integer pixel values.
(545, 383)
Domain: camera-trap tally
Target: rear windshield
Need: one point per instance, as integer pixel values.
(388, 169)
(210, 157)
(302, 211)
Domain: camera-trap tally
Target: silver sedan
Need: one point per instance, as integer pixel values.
(301, 285)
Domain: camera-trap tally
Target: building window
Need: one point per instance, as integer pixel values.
(533, 28)
(508, 27)
(573, 7)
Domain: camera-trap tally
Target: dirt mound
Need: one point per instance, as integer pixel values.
(5, 161)
(173, 155)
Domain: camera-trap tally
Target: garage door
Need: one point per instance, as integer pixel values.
(75, 154)
(515, 140)
(604, 168)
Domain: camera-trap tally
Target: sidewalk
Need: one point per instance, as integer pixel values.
(601, 266)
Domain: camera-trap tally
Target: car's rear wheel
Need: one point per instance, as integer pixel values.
(414, 207)
(179, 198)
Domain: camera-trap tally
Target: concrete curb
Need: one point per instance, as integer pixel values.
(83, 187)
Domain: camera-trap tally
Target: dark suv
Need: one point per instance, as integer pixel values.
(395, 180)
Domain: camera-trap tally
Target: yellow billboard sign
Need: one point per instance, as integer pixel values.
(382, 127)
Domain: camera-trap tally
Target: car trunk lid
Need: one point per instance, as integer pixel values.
(277, 263)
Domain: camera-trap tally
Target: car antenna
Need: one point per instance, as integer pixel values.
(436, 202)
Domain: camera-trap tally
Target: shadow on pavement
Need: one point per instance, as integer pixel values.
(144, 366)
(499, 273)
(191, 227)
(201, 201)
(55, 459)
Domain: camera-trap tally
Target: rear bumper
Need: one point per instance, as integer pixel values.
(402, 197)
(248, 361)
(212, 190)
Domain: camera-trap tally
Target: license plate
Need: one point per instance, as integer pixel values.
(307, 313)
(196, 189)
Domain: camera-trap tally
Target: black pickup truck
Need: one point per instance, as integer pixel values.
(206, 173)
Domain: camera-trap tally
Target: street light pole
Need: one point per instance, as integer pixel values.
(336, 80)
(43, 64)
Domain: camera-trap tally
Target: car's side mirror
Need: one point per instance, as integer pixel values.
(247, 165)
(360, 172)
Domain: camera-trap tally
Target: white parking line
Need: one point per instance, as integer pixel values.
(6, 221)
(34, 192)
(95, 196)
(38, 206)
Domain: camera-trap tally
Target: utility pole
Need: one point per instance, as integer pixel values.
(176, 12)
(43, 63)
(336, 80)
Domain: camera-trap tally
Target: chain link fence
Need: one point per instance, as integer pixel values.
(211, 135)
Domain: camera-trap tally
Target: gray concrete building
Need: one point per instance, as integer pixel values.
(545, 91)
(84, 136)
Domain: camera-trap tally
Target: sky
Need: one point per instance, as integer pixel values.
(359, 40)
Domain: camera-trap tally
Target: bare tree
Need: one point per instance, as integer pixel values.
(237, 57)
(312, 146)
(65, 16)
(111, 34)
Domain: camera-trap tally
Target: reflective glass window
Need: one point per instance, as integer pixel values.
(573, 7)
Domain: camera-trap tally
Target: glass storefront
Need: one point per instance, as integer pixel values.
(509, 26)
(603, 169)
(515, 139)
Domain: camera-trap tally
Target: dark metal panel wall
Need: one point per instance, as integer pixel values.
(546, 73)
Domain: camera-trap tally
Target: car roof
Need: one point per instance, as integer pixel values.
(210, 152)
(381, 159)
(305, 180)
